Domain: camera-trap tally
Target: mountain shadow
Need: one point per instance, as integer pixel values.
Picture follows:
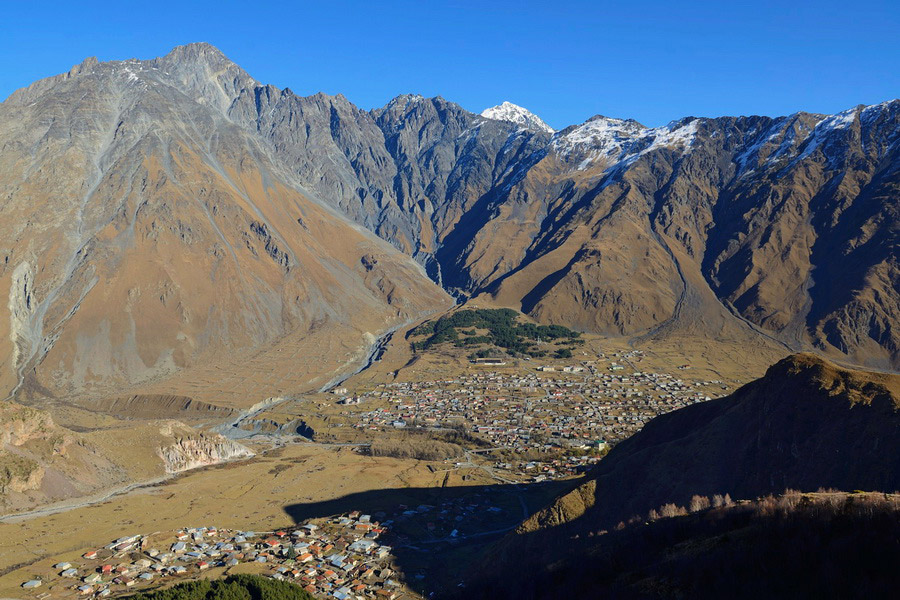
(436, 534)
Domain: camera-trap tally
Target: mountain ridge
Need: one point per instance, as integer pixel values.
(730, 228)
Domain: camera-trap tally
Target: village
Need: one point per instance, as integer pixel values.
(556, 419)
(338, 557)
(350, 556)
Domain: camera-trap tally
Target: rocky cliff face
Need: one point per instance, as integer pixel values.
(195, 450)
(408, 171)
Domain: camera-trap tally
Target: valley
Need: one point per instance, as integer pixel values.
(321, 454)
(416, 351)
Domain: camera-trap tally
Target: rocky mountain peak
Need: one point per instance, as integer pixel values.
(195, 51)
(599, 137)
(86, 65)
(403, 101)
(821, 378)
(204, 72)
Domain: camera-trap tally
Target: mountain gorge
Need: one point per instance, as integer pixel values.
(159, 214)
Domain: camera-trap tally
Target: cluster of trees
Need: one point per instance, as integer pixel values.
(696, 504)
(502, 331)
(234, 587)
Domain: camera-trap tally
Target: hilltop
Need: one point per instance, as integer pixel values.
(492, 331)
(807, 423)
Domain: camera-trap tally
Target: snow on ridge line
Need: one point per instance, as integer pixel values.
(840, 121)
(620, 141)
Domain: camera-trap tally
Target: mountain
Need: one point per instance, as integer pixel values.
(145, 232)
(166, 219)
(806, 425)
(412, 171)
(725, 228)
(507, 111)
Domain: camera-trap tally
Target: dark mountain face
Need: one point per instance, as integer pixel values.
(776, 231)
(823, 544)
(408, 171)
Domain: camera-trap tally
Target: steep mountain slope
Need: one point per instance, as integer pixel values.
(785, 226)
(806, 424)
(144, 232)
(411, 171)
(729, 227)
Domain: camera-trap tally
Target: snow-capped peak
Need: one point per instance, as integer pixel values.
(513, 113)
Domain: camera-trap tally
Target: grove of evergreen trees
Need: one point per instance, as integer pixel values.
(503, 331)
(234, 587)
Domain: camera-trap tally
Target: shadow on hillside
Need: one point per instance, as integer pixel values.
(821, 545)
(423, 521)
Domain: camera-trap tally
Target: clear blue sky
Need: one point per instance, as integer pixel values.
(652, 60)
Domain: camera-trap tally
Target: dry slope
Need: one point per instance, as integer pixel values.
(145, 232)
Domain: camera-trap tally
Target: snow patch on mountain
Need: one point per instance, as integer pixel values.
(679, 133)
(824, 131)
(513, 113)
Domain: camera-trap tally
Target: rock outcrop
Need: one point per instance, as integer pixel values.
(199, 450)
(41, 461)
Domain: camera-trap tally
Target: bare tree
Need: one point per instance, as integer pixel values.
(699, 503)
